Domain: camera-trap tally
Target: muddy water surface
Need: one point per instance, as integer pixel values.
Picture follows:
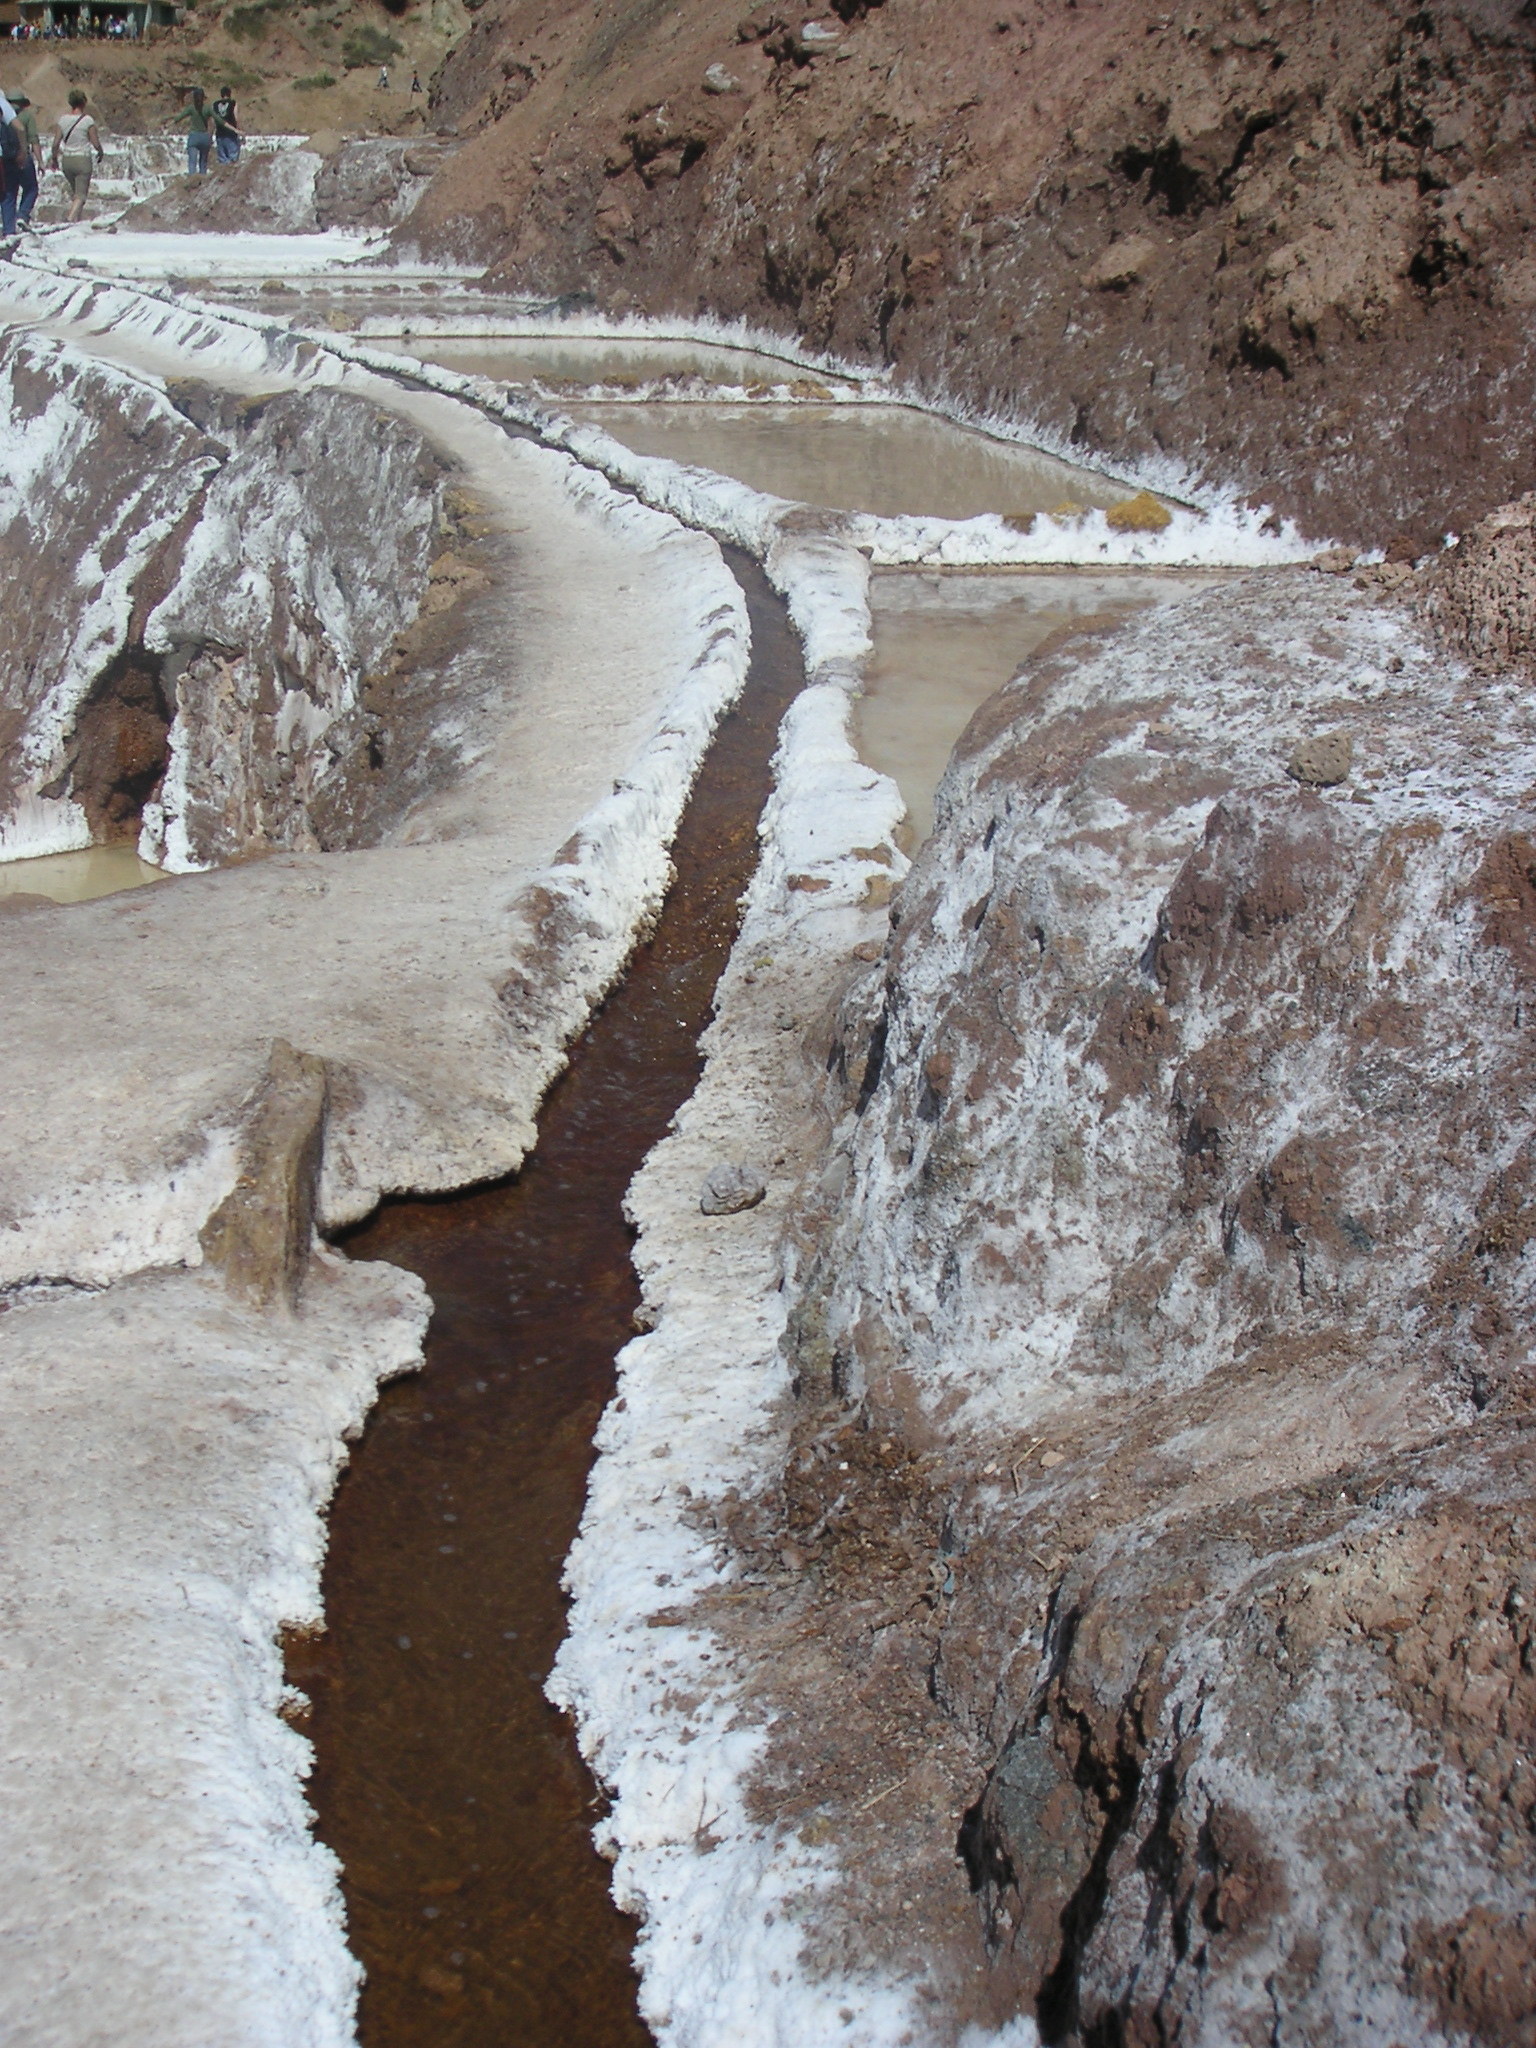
(574, 359)
(78, 877)
(451, 1791)
(945, 642)
(855, 458)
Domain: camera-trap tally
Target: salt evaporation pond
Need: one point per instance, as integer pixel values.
(863, 456)
(945, 641)
(77, 877)
(867, 457)
(597, 360)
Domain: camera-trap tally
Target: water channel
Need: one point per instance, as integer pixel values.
(448, 1787)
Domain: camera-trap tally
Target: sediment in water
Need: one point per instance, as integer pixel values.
(452, 1793)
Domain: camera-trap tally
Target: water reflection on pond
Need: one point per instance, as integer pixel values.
(886, 459)
(600, 359)
(945, 643)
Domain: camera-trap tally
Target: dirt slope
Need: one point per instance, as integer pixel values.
(1288, 244)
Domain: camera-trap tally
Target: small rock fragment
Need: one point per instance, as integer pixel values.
(1052, 1459)
(1335, 561)
(1323, 762)
(1123, 264)
(728, 1189)
(1141, 514)
(718, 80)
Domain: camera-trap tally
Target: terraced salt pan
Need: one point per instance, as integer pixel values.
(943, 643)
(701, 1387)
(889, 460)
(597, 360)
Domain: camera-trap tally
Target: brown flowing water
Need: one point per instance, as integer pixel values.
(451, 1791)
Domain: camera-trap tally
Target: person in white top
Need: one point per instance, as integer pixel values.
(74, 141)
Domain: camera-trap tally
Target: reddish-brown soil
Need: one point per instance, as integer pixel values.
(1287, 245)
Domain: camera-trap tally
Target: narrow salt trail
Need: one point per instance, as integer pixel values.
(171, 1450)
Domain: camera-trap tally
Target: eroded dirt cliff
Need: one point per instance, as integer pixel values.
(276, 598)
(1286, 244)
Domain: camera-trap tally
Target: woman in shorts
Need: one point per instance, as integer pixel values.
(75, 143)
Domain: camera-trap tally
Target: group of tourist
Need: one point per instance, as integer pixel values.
(104, 27)
(76, 150)
(211, 130)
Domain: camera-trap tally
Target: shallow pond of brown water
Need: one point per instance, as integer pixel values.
(867, 457)
(451, 1791)
(944, 641)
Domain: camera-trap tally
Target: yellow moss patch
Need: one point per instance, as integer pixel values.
(1141, 514)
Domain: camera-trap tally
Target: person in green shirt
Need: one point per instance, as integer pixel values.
(197, 119)
(31, 163)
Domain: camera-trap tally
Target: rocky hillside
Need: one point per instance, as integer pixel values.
(1287, 243)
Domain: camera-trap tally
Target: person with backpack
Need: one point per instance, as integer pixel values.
(13, 147)
(226, 128)
(31, 162)
(74, 142)
(197, 119)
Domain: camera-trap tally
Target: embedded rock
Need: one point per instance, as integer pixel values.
(729, 1189)
(1123, 264)
(1324, 762)
(375, 182)
(263, 1232)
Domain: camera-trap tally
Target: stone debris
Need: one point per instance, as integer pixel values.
(1324, 761)
(729, 1189)
(263, 1231)
(719, 81)
(1123, 264)
(1480, 596)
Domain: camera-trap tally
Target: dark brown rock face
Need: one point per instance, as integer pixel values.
(311, 554)
(1174, 1244)
(103, 477)
(1287, 245)
(1481, 595)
